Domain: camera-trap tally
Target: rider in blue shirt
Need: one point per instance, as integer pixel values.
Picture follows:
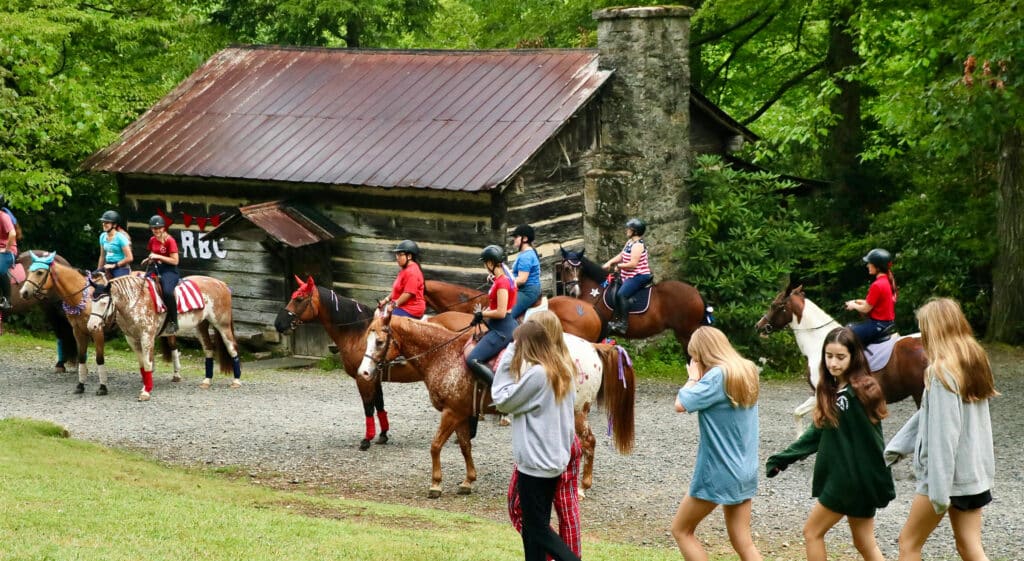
(526, 270)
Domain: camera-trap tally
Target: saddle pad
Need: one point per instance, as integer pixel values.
(878, 353)
(16, 273)
(540, 306)
(639, 302)
(492, 364)
(186, 295)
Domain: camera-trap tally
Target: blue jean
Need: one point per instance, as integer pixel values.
(120, 271)
(869, 330)
(6, 262)
(498, 337)
(633, 285)
(527, 296)
(402, 313)
(168, 280)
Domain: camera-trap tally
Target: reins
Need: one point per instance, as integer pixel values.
(387, 344)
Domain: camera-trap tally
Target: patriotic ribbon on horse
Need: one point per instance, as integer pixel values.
(188, 297)
(623, 356)
(154, 293)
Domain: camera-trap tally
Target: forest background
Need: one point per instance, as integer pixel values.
(905, 114)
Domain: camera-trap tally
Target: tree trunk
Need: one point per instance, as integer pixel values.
(845, 140)
(1007, 323)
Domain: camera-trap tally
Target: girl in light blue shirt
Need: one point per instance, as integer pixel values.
(115, 246)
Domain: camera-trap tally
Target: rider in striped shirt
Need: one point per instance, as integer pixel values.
(634, 270)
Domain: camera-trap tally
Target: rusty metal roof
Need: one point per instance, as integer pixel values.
(289, 225)
(455, 120)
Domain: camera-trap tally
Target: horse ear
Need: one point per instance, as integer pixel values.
(299, 282)
(798, 290)
(310, 283)
(565, 254)
(582, 251)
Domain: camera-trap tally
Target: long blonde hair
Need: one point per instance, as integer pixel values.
(711, 347)
(539, 341)
(955, 357)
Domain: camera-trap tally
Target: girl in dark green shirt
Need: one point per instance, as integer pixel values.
(850, 475)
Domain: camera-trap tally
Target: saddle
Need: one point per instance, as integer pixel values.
(638, 303)
(879, 352)
(492, 364)
(16, 273)
(187, 296)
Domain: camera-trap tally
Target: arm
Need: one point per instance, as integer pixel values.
(858, 305)
(944, 423)
(103, 259)
(171, 259)
(693, 375)
(128, 257)
(521, 277)
(608, 264)
(517, 397)
(804, 446)
(634, 257)
(502, 309)
(405, 297)
(903, 442)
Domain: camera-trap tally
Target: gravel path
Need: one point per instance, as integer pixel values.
(300, 429)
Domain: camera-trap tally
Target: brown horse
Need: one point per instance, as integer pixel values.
(438, 353)
(136, 312)
(902, 377)
(51, 305)
(346, 321)
(49, 276)
(674, 305)
(579, 320)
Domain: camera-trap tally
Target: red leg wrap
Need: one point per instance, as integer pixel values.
(371, 428)
(147, 380)
(382, 416)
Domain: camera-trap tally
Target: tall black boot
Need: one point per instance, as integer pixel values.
(5, 292)
(620, 323)
(483, 373)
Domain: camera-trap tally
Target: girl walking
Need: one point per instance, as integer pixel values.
(850, 475)
(953, 457)
(722, 388)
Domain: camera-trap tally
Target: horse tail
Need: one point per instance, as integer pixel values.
(618, 392)
(220, 349)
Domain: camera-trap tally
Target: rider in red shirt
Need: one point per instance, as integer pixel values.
(500, 323)
(880, 304)
(163, 256)
(407, 291)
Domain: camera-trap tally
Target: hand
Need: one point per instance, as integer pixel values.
(773, 472)
(478, 318)
(109, 266)
(693, 371)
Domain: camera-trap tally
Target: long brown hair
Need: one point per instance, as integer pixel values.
(857, 375)
(535, 345)
(712, 348)
(955, 357)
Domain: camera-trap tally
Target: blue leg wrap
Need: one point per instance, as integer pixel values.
(209, 368)
(236, 365)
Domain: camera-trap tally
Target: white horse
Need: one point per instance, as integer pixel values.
(898, 364)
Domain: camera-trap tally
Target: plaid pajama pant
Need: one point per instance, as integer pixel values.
(567, 501)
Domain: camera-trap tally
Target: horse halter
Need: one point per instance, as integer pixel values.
(42, 292)
(574, 268)
(296, 318)
(108, 311)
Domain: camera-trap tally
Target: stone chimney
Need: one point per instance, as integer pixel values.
(644, 157)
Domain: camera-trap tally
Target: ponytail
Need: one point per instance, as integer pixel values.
(892, 283)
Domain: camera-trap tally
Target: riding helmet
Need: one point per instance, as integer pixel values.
(493, 253)
(526, 231)
(638, 226)
(157, 221)
(407, 246)
(878, 257)
(111, 216)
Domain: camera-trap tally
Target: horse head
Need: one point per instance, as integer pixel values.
(102, 310)
(787, 304)
(381, 346)
(38, 281)
(569, 271)
(303, 307)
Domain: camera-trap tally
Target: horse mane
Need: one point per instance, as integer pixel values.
(345, 313)
(592, 270)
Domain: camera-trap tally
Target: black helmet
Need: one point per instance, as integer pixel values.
(638, 226)
(157, 221)
(878, 257)
(493, 253)
(111, 216)
(407, 246)
(526, 231)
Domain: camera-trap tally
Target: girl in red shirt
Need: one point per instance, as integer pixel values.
(407, 292)
(163, 255)
(880, 304)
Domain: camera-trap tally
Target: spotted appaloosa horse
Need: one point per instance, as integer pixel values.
(579, 320)
(902, 377)
(67, 346)
(137, 316)
(605, 371)
(49, 275)
(345, 321)
(674, 305)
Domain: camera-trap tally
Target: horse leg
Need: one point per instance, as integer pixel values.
(204, 339)
(449, 420)
(101, 369)
(382, 415)
(145, 354)
(230, 345)
(466, 445)
(82, 340)
(589, 443)
(368, 393)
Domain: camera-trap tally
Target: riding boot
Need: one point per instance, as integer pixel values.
(483, 373)
(620, 323)
(5, 292)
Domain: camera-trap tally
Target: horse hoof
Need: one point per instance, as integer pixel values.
(582, 494)
(465, 489)
(382, 439)
(176, 378)
(80, 388)
(435, 493)
(205, 384)
(364, 445)
(102, 390)
(143, 395)
(235, 384)
(59, 369)
(503, 421)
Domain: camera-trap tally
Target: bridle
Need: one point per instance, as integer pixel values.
(769, 328)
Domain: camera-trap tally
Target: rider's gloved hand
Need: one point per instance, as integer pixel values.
(478, 318)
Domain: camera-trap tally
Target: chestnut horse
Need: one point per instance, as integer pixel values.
(674, 305)
(50, 304)
(49, 275)
(605, 372)
(579, 320)
(902, 377)
(345, 321)
(132, 301)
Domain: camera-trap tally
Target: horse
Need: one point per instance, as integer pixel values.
(49, 276)
(901, 377)
(605, 372)
(132, 300)
(346, 321)
(673, 304)
(578, 320)
(51, 306)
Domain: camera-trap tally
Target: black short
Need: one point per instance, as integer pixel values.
(971, 502)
